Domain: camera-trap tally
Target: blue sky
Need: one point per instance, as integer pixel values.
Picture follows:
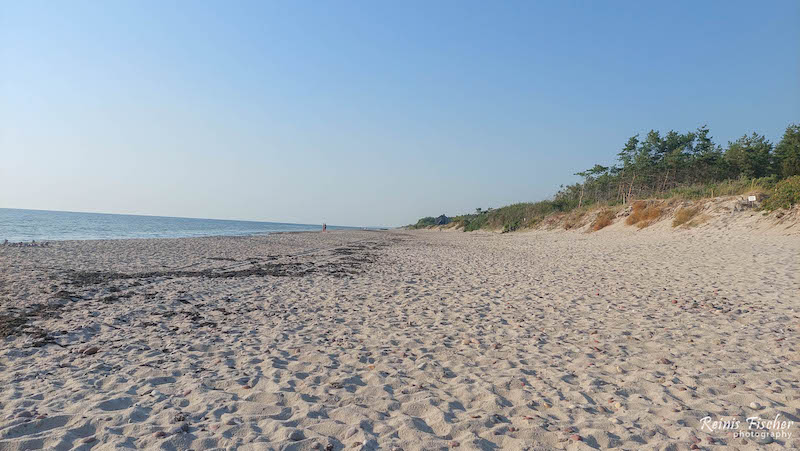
(366, 113)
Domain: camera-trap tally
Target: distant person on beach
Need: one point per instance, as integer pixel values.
(324, 227)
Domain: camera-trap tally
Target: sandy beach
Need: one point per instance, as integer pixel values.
(401, 340)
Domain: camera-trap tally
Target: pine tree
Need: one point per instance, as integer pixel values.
(787, 152)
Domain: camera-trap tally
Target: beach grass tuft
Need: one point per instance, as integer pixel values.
(644, 214)
(684, 215)
(603, 219)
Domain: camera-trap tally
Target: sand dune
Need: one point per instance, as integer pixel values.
(400, 340)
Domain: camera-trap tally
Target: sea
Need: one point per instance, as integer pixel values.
(17, 225)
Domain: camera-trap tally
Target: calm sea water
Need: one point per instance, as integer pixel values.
(26, 225)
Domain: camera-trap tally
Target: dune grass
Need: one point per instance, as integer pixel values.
(785, 195)
(575, 219)
(526, 215)
(684, 215)
(644, 214)
(603, 219)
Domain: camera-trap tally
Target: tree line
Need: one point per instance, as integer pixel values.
(656, 164)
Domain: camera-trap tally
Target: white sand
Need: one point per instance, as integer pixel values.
(412, 340)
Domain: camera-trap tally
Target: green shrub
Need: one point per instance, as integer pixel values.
(425, 222)
(510, 227)
(473, 222)
(430, 221)
(519, 216)
(786, 194)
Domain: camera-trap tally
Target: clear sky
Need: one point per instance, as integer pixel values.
(366, 113)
